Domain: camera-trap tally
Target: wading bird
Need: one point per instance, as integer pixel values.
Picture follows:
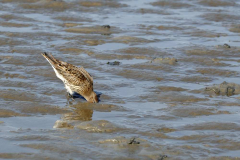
(76, 79)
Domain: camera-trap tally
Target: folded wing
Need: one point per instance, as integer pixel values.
(73, 75)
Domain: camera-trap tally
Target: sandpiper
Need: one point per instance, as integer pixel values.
(75, 79)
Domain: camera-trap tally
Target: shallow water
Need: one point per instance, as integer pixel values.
(162, 103)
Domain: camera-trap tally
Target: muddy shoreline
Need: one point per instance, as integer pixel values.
(167, 71)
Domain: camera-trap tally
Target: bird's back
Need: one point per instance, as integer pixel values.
(77, 78)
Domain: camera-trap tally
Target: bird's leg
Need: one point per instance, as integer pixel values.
(69, 96)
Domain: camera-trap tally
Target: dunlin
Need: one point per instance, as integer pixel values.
(75, 79)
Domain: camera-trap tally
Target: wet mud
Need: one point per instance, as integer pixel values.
(171, 4)
(224, 88)
(217, 3)
(167, 60)
(166, 73)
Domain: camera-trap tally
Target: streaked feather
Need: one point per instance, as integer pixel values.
(76, 79)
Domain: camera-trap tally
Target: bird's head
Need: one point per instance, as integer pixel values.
(93, 98)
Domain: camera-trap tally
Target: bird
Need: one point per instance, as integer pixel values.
(76, 79)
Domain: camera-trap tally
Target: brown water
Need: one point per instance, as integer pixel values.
(169, 52)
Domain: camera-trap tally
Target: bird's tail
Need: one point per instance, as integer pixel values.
(50, 59)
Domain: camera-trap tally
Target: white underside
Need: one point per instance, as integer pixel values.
(69, 89)
(63, 79)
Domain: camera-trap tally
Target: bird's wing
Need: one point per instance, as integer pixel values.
(74, 75)
(86, 74)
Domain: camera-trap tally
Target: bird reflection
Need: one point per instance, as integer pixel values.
(79, 113)
(82, 111)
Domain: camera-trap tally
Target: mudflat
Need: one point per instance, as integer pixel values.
(167, 73)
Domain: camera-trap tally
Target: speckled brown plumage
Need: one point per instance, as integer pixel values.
(76, 79)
